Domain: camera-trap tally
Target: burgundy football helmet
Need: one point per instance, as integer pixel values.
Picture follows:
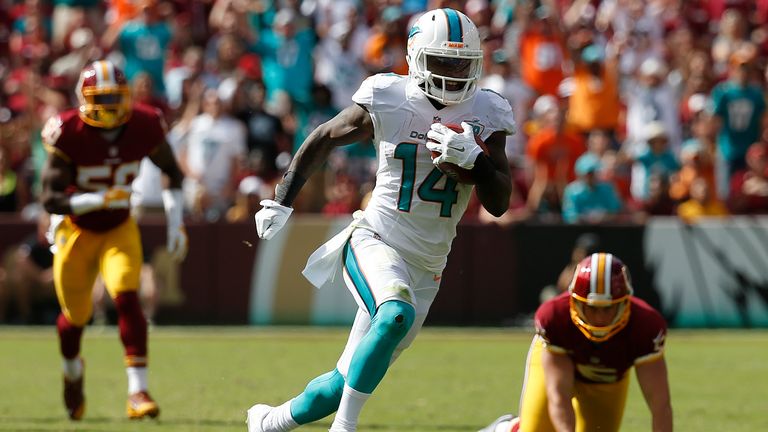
(600, 280)
(104, 95)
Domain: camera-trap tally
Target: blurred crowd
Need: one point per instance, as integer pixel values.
(625, 108)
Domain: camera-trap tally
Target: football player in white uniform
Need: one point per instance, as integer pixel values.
(392, 256)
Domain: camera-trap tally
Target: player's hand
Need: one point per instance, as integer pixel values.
(457, 148)
(271, 218)
(117, 197)
(178, 243)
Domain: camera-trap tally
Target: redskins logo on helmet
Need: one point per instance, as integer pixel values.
(104, 95)
(600, 280)
(444, 55)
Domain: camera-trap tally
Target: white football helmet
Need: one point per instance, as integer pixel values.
(444, 55)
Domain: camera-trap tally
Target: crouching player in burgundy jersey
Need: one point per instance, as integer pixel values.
(94, 155)
(587, 340)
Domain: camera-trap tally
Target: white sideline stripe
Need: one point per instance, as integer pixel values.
(263, 284)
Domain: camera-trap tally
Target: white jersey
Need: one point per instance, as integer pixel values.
(414, 207)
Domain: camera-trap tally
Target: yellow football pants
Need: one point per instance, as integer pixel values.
(81, 255)
(598, 407)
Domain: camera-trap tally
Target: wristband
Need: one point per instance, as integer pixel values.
(287, 190)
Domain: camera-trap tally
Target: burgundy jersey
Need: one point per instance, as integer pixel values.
(99, 163)
(608, 361)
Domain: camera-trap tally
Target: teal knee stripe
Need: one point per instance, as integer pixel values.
(320, 399)
(358, 279)
(371, 359)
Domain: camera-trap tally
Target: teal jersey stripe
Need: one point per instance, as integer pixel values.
(361, 285)
(454, 25)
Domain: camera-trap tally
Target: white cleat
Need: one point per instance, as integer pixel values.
(255, 417)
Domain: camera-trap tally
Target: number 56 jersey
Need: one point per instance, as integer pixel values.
(414, 207)
(98, 163)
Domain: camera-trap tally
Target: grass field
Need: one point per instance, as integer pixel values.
(450, 380)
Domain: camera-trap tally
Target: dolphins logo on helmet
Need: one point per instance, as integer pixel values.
(600, 280)
(104, 95)
(444, 55)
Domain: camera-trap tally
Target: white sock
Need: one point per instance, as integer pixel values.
(352, 402)
(137, 379)
(73, 368)
(279, 419)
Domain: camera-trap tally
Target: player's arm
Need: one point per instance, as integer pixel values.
(559, 371)
(164, 158)
(652, 377)
(173, 200)
(57, 176)
(491, 172)
(353, 124)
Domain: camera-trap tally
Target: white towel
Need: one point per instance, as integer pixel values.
(324, 263)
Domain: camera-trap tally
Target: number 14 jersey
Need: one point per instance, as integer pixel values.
(414, 207)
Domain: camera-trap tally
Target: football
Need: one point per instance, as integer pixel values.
(454, 171)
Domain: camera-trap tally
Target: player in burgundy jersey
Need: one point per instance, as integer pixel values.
(94, 155)
(586, 341)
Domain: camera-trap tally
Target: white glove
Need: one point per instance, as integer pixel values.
(176, 237)
(457, 148)
(53, 227)
(271, 218)
(116, 197)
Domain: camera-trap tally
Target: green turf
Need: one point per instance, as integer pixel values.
(450, 380)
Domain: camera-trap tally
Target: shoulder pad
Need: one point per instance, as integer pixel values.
(498, 111)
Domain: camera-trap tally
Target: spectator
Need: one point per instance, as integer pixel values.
(740, 107)
(9, 184)
(337, 66)
(749, 188)
(651, 99)
(655, 157)
(68, 14)
(286, 57)
(695, 164)
(210, 155)
(265, 134)
(594, 102)
(385, 49)
(503, 78)
(731, 34)
(542, 53)
(659, 202)
(588, 200)
(553, 150)
(144, 42)
(83, 51)
(703, 203)
(250, 192)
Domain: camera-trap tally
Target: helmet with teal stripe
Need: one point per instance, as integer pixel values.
(444, 55)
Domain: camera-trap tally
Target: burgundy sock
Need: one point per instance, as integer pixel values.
(133, 329)
(69, 337)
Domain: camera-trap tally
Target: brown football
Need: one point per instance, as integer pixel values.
(454, 171)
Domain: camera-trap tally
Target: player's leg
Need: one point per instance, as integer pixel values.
(319, 399)
(382, 283)
(534, 414)
(600, 406)
(75, 267)
(121, 260)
